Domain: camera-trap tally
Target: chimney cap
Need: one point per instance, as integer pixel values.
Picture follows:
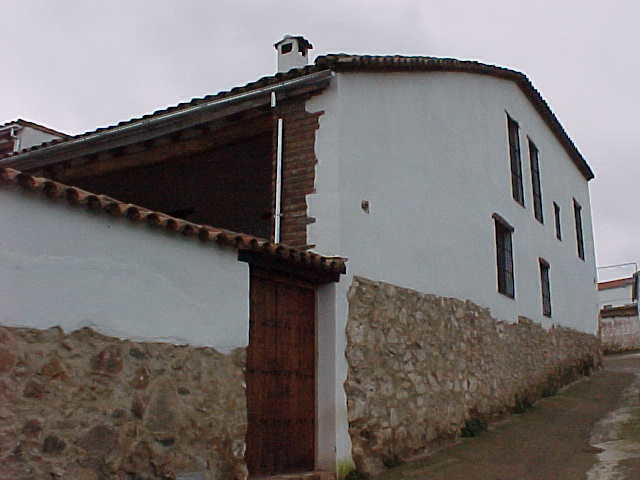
(303, 43)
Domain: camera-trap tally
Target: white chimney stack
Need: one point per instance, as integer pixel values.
(292, 52)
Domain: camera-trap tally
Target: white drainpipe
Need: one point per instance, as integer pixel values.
(278, 207)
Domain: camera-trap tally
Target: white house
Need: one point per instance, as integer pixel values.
(457, 199)
(20, 135)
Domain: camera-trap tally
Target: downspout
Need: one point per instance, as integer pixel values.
(278, 206)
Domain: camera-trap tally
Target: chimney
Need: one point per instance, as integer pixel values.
(292, 52)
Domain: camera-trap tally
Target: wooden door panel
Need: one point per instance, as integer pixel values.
(281, 375)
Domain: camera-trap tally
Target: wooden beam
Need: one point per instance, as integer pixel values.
(166, 148)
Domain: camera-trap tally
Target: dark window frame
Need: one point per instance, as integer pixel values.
(504, 256)
(556, 212)
(536, 187)
(515, 158)
(545, 287)
(577, 213)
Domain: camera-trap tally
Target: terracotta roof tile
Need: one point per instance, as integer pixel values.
(135, 213)
(620, 282)
(346, 62)
(262, 82)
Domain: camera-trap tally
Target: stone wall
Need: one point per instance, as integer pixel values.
(85, 406)
(620, 333)
(422, 366)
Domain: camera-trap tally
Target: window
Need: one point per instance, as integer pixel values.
(516, 164)
(504, 256)
(535, 181)
(545, 288)
(577, 212)
(286, 48)
(556, 211)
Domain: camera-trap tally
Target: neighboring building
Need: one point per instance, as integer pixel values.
(457, 198)
(619, 325)
(22, 135)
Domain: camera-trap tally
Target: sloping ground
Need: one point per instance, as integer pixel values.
(591, 430)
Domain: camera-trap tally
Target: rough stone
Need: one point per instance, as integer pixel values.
(422, 368)
(140, 379)
(108, 360)
(32, 428)
(88, 406)
(34, 389)
(7, 361)
(53, 445)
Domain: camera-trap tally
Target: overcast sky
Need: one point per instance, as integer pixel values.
(76, 65)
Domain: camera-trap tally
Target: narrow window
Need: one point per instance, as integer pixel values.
(577, 211)
(556, 211)
(516, 164)
(545, 288)
(535, 181)
(504, 256)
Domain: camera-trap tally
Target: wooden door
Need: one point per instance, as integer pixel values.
(281, 375)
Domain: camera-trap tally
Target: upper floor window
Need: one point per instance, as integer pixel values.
(535, 181)
(516, 163)
(577, 212)
(504, 256)
(545, 288)
(556, 211)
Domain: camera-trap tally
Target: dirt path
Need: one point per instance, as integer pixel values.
(590, 431)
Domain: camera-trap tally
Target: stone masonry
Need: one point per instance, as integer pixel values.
(85, 406)
(620, 333)
(421, 367)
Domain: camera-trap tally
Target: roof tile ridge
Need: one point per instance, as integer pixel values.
(97, 202)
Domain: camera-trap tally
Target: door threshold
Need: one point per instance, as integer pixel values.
(312, 475)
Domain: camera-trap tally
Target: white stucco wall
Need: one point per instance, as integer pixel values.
(429, 151)
(616, 296)
(68, 267)
(29, 137)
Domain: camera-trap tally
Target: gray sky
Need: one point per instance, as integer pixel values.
(75, 65)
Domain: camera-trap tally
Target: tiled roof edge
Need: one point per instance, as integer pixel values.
(346, 62)
(262, 82)
(619, 282)
(205, 233)
(355, 63)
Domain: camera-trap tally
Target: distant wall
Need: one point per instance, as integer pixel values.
(616, 297)
(30, 137)
(620, 329)
(421, 366)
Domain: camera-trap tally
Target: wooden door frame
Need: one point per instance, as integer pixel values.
(325, 447)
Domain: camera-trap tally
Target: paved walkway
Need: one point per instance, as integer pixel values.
(589, 431)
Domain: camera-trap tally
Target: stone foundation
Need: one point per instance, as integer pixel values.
(620, 334)
(89, 407)
(423, 367)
